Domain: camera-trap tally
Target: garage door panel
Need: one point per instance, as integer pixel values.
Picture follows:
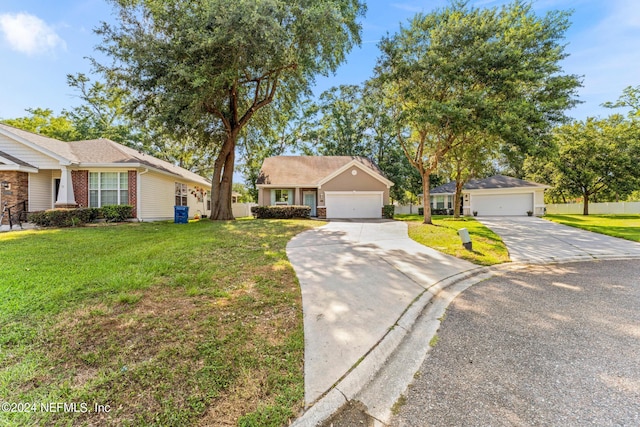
(516, 204)
(354, 205)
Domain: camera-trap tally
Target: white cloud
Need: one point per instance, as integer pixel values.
(29, 34)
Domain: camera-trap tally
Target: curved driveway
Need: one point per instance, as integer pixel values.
(536, 240)
(555, 345)
(357, 278)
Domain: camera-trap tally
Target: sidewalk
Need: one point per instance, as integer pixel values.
(357, 280)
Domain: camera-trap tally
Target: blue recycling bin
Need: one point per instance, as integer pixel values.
(181, 214)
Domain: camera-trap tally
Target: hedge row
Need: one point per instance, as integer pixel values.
(436, 211)
(281, 212)
(74, 217)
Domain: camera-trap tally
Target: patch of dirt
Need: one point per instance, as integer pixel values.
(352, 414)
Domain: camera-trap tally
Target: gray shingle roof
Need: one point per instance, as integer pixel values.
(496, 181)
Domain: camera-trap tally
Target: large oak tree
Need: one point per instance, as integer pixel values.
(205, 67)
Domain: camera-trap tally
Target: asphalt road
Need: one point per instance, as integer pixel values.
(553, 345)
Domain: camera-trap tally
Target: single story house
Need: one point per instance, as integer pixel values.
(47, 173)
(497, 195)
(333, 186)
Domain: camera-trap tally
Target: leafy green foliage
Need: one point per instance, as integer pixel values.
(42, 121)
(281, 212)
(117, 213)
(64, 217)
(388, 211)
(204, 68)
(595, 158)
(459, 72)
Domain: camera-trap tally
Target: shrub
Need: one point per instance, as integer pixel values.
(281, 212)
(442, 211)
(420, 211)
(117, 213)
(388, 211)
(64, 217)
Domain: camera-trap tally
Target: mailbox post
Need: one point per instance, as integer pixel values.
(466, 240)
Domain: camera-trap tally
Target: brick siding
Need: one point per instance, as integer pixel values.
(17, 192)
(80, 180)
(133, 192)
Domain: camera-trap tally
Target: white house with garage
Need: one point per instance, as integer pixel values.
(497, 195)
(333, 186)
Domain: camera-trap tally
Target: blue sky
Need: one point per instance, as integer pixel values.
(41, 41)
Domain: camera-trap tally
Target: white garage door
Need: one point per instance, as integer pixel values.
(358, 204)
(502, 204)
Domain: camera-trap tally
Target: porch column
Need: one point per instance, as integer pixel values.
(66, 198)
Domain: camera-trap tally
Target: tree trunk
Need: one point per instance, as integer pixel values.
(458, 199)
(585, 206)
(426, 199)
(222, 182)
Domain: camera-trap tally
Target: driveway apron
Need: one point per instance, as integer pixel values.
(357, 278)
(531, 239)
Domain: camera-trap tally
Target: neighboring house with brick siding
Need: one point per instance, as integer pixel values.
(48, 173)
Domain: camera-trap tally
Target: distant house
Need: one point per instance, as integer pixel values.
(47, 173)
(494, 196)
(333, 186)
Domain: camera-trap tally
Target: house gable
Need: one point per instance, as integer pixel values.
(355, 164)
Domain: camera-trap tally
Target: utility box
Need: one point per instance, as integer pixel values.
(181, 214)
(466, 239)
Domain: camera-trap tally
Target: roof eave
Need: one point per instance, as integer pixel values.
(360, 166)
(63, 160)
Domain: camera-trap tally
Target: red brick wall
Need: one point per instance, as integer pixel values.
(133, 191)
(80, 181)
(17, 192)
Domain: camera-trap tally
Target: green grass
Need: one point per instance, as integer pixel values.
(623, 226)
(488, 248)
(167, 324)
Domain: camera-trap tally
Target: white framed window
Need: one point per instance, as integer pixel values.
(108, 188)
(281, 197)
(181, 194)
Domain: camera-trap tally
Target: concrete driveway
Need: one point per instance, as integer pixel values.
(531, 239)
(357, 278)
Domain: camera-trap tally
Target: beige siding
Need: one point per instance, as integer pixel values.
(41, 190)
(264, 195)
(362, 181)
(27, 154)
(156, 197)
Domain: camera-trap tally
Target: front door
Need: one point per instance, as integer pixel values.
(309, 199)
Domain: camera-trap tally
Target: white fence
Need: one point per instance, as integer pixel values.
(595, 208)
(407, 209)
(242, 209)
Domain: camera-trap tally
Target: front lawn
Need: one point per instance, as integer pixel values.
(488, 248)
(160, 323)
(623, 226)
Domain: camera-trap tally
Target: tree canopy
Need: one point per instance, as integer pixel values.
(460, 71)
(207, 66)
